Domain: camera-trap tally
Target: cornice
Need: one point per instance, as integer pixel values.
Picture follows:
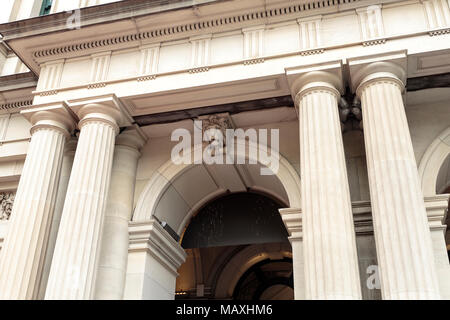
(197, 26)
(17, 81)
(137, 16)
(98, 14)
(4, 50)
(24, 83)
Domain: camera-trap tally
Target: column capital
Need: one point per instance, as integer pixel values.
(326, 76)
(56, 115)
(105, 108)
(389, 66)
(132, 137)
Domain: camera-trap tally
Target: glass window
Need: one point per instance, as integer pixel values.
(45, 8)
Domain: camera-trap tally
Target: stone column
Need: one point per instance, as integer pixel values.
(69, 154)
(23, 252)
(402, 234)
(292, 220)
(330, 257)
(76, 255)
(154, 258)
(114, 250)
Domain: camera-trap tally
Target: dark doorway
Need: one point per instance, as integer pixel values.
(236, 219)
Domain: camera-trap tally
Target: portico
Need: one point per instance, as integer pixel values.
(101, 209)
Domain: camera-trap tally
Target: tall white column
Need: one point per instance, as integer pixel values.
(23, 252)
(115, 241)
(76, 255)
(69, 154)
(402, 234)
(330, 257)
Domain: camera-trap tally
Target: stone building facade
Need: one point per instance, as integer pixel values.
(93, 205)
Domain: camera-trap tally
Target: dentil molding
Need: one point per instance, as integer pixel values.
(198, 26)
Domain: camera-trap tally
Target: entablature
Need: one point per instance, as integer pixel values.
(133, 23)
(219, 62)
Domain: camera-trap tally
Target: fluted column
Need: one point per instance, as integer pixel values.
(114, 250)
(76, 255)
(23, 252)
(69, 154)
(402, 234)
(330, 258)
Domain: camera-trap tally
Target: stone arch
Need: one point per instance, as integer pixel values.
(229, 276)
(161, 181)
(432, 161)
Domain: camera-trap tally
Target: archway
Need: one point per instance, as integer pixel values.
(176, 193)
(171, 185)
(434, 174)
(432, 162)
(266, 280)
(229, 241)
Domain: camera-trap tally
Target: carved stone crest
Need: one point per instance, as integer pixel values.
(220, 122)
(6, 203)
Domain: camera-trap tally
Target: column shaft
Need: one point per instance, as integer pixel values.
(401, 229)
(23, 253)
(330, 258)
(66, 168)
(114, 251)
(75, 260)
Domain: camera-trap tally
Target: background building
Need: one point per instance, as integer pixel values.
(93, 207)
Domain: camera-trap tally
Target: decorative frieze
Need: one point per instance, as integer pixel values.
(371, 24)
(4, 122)
(253, 61)
(148, 66)
(51, 75)
(199, 69)
(100, 67)
(6, 204)
(438, 15)
(439, 32)
(253, 44)
(222, 21)
(310, 33)
(96, 85)
(373, 42)
(145, 78)
(311, 52)
(200, 53)
(48, 93)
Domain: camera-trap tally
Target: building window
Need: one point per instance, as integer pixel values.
(45, 8)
